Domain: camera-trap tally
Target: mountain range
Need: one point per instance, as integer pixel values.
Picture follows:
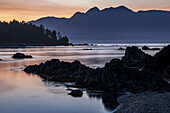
(112, 25)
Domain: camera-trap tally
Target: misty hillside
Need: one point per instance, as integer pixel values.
(118, 24)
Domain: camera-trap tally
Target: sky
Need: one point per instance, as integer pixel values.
(27, 10)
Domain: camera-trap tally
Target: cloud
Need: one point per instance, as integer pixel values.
(26, 10)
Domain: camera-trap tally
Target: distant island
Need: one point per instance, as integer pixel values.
(112, 25)
(17, 33)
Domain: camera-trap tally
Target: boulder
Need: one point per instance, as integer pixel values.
(161, 63)
(76, 93)
(135, 57)
(21, 56)
(145, 48)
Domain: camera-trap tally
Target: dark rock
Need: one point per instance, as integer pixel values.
(21, 56)
(116, 75)
(155, 49)
(87, 49)
(145, 48)
(135, 57)
(59, 70)
(121, 48)
(0, 59)
(76, 93)
(161, 63)
(31, 69)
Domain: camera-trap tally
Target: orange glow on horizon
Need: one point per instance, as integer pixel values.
(23, 10)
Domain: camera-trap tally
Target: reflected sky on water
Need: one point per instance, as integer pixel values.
(27, 93)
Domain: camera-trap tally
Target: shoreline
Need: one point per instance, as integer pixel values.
(144, 102)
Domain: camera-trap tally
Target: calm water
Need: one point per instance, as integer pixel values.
(24, 93)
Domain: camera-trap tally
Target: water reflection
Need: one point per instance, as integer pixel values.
(109, 99)
(27, 93)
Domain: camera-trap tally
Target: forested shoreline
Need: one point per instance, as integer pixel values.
(22, 33)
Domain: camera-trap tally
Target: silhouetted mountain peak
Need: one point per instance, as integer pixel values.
(123, 8)
(120, 9)
(77, 14)
(93, 10)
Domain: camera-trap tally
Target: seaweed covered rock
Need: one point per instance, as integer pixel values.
(135, 57)
(21, 56)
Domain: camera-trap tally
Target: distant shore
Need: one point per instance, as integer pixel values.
(27, 45)
(39, 45)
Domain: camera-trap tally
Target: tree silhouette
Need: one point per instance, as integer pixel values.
(14, 33)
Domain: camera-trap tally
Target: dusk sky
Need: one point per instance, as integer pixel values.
(33, 9)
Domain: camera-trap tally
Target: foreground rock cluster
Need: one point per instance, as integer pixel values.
(135, 72)
(158, 64)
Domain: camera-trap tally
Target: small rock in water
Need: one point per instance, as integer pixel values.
(21, 56)
(76, 93)
(145, 48)
(121, 48)
(156, 49)
(87, 49)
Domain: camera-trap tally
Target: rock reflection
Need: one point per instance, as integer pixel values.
(109, 99)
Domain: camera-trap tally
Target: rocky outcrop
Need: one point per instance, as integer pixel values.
(115, 75)
(135, 57)
(76, 93)
(57, 70)
(21, 56)
(161, 63)
(158, 64)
